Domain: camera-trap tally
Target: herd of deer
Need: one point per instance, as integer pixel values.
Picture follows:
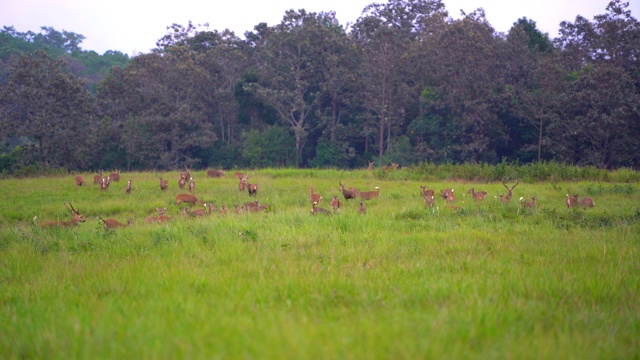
(186, 180)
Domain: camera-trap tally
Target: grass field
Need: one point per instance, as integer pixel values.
(486, 280)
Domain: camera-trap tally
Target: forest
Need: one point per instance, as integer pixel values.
(405, 83)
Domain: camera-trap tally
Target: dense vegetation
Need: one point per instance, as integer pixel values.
(467, 280)
(405, 83)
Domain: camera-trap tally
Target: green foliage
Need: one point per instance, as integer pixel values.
(272, 148)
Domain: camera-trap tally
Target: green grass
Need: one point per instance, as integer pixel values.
(486, 280)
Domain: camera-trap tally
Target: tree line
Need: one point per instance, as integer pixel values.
(405, 83)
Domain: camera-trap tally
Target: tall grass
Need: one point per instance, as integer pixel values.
(482, 280)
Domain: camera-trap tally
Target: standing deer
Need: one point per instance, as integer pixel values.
(477, 196)
(507, 197)
(80, 181)
(316, 210)
(314, 197)
(104, 183)
(127, 190)
(97, 178)
(362, 209)
(528, 204)
(335, 203)
(192, 185)
(368, 195)
(571, 200)
(253, 189)
(347, 194)
(427, 195)
(244, 181)
(115, 176)
(164, 184)
(182, 181)
(75, 218)
(187, 198)
(370, 167)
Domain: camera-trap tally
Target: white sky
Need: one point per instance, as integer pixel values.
(134, 26)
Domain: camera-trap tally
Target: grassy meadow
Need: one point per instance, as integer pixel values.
(486, 280)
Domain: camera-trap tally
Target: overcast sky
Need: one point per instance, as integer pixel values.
(134, 26)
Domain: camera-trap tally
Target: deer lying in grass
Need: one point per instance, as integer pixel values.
(477, 196)
(223, 209)
(80, 181)
(571, 200)
(314, 197)
(164, 184)
(347, 194)
(587, 202)
(444, 193)
(156, 218)
(318, 210)
(97, 178)
(528, 204)
(507, 197)
(127, 190)
(75, 219)
(113, 223)
(427, 195)
(215, 173)
(450, 198)
(368, 195)
(187, 198)
(335, 203)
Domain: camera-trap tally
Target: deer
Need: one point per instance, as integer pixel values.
(238, 175)
(127, 190)
(113, 223)
(368, 195)
(393, 166)
(314, 197)
(164, 184)
(152, 218)
(370, 167)
(335, 203)
(196, 212)
(182, 181)
(244, 181)
(477, 196)
(450, 198)
(192, 185)
(223, 209)
(507, 197)
(115, 176)
(587, 202)
(571, 200)
(187, 198)
(104, 183)
(249, 205)
(97, 178)
(317, 210)
(444, 193)
(528, 204)
(253, 189)
(76, 218)
(347, 194)
(427, 195)
(217, 173)
(80, 181)
(362, 209)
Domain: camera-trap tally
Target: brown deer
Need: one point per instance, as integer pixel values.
(528, 204)
(450, 198)
(182, 181)
(188, 198)
(393, 166)
(127, 190)
(253, 189)
(223, 209)
(587, 202)
(477, 196)
(215, 173)
(113, 223)
(164, 184)
(152, 218)
(162, 218)
(507, 197)
(571, 200)
(335, 203)
(75, 218)
(347, 194)
(362, 209)
(249, 205)
(368, 195)
(317, 210)
(192, 185)
(370, 167)
(445, 193)
(238, 175)
(314, 197)
(97, 178)
(427, 195)
(115, 176)
(244, 181)
(80, 181)
(196, 212)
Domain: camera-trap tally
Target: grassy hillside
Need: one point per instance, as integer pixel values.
(401, 281)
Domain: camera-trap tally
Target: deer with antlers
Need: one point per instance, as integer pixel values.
(507, 197)
(313, 196)
(76, 218)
